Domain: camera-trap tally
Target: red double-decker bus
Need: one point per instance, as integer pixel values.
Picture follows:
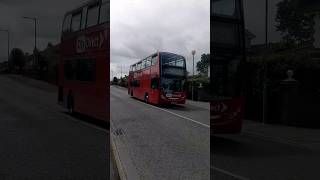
(159, 79)
(84, 64)
(227, 66)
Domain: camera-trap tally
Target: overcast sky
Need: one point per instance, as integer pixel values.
(254, 12)
(142, 27)
(49, 13)
(138, 27)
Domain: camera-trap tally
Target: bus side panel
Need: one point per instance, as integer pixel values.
(226, 116)
(94, 100)
(90, 98)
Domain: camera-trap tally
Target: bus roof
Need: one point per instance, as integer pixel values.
(88, 3)
(166, 53)
(169, 53)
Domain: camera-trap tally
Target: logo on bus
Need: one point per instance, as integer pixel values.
(219, 108)
(85, 43)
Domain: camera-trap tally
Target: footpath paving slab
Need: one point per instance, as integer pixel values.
(205, 105)
(307, 137)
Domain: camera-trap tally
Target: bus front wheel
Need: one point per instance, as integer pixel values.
(70, 102)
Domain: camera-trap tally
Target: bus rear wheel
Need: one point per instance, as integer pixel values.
(146, 98)
(70, 103)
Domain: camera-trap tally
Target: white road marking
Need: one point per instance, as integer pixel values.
(86, 123)
(229, 173)
(183, 117)
(58, 108)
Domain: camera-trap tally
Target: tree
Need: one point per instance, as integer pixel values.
(17, 59)
(115, 80)
(295, 26)
(49, 45)
(42, 67)
(203, 64)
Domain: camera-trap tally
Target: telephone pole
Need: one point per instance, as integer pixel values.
(8, 42)
(35, 36)
(193, 52)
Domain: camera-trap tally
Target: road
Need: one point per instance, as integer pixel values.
(39, 141)
(256, 157)
(160, 143)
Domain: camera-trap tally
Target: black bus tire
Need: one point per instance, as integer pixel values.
(146, 98)
(70, 104)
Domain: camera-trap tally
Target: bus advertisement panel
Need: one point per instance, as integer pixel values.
(84, 64)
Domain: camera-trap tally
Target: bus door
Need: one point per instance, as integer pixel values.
(227, 57)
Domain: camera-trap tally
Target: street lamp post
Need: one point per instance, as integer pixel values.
(8, 32)
(35, 35)
(4, 30)
(264, 90)
(193, 52)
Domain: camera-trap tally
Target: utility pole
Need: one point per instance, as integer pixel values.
(8, 43)
(193, 52)
(264, 90)
(266, 23)
(35, 36)
(120, 72)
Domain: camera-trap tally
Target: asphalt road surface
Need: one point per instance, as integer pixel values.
(161, 143)
(249, 156)
(39, 141)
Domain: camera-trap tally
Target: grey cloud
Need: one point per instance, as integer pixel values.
(255, 19)
(175, 26)
(49, 14)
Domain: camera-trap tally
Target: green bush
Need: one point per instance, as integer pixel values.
(275, 65)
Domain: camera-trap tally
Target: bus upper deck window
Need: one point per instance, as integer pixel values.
(104, 12)
(143, 64)
(84, 17)
(154, 60)
(76, 21)
(224, 7)
(66, 23)
(92, 16)
(139, 66)
(180, 63)
(148, 62)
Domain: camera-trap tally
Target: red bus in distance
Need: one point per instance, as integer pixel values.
(159, 79)
(84, 64)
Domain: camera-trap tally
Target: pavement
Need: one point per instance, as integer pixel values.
(38, 140)
(266, 151)
(297, 136)
(159, 143)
